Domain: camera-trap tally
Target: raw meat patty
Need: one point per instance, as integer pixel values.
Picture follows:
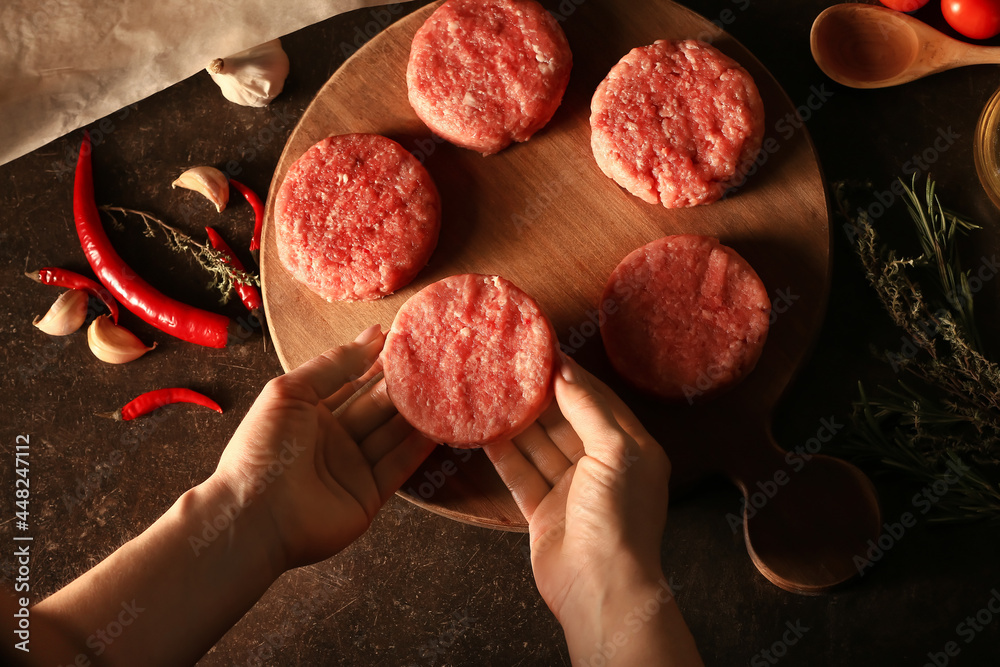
(469, 360)
(676, 123)
(690, 320)
(357, 217)
(482, 74)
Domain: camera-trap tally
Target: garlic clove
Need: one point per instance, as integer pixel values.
(113, 343)
(66, 315)
(253, 77)
(208, 181)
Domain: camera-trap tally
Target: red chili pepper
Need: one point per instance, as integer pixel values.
(258, 214)
(249, 295)
(151, 400)
(173, 317)
(66, 278)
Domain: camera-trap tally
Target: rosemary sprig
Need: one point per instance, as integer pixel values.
(940, 425)
(224, 276)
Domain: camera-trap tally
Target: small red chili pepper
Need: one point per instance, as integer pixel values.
(152, 400)
(173, 317)
(258, 215)
(66, 278)
(249, 295)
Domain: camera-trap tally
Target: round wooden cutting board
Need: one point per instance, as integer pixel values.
(543, 215)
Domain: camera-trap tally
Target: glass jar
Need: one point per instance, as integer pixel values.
(986, 149)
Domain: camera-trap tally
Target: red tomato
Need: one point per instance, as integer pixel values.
(978, 19)
(904, 5)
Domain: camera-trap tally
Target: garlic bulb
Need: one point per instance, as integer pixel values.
(113, 343)
(208, 181)
(66, 315)
(253, 77)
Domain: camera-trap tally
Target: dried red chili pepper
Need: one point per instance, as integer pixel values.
(173, 317)
(249, 295)
(66, 278)
(152, 400)
(258, 215)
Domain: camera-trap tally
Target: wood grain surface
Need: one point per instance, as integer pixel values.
(543, 215)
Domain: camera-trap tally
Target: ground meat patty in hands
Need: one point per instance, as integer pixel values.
(484, 73)
(356, 217)
(676, 123)
(469, 360)
(690, 317)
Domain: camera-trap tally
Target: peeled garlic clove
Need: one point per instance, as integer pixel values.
(113, 343)
(253, 77)
(209, 181)
(66, 315)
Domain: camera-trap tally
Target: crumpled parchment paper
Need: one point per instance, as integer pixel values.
(66, 63)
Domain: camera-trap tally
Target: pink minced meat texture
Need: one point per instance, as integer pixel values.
(357, 217)
(469, 360)
(676, 123)
(690, 317)
(482, 74)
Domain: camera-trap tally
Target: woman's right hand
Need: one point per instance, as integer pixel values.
(592, 484)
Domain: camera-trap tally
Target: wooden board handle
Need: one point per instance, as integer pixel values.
(808, 520)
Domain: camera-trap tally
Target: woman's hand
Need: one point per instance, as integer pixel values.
(322, 474)
(592, 484)
(301, 478)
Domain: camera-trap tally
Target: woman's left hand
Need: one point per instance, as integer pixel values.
(322, 475)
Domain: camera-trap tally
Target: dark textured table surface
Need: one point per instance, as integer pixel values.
(417, 588)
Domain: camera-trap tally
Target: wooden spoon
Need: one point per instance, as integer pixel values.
(866, 46)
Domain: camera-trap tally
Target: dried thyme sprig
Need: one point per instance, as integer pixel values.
(224, 276)
(946, 418)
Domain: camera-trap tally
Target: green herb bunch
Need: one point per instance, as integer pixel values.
(940, 421)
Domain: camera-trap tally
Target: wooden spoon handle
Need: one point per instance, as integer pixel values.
(978, 55)
(808, 519)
